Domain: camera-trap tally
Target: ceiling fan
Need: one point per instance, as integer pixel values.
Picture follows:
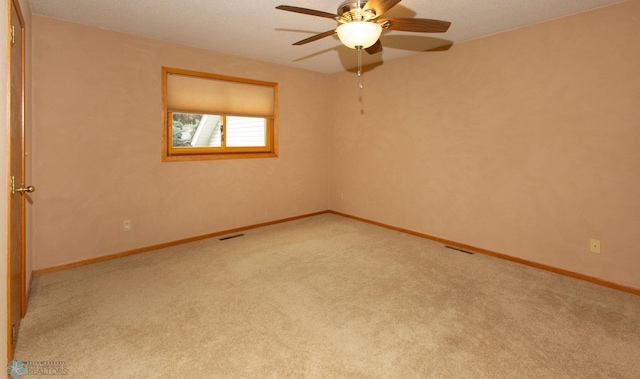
(360, 25)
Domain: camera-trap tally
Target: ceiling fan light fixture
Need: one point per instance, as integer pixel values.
(359, 33)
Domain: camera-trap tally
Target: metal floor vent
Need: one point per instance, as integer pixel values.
(455, 248)
(230, 237)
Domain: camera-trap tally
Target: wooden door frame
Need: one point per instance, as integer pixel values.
(10, 226)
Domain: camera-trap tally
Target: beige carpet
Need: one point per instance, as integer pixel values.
(327, 297)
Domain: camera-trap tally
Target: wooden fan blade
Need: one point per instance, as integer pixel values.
(315, 38)
(421, 25)
(380, 6)
(375, 48)
(311, 12)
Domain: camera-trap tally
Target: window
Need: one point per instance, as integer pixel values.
(209, 116)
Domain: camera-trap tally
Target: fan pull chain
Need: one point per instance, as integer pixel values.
(360, 66)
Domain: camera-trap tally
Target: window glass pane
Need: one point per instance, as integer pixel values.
(246, 131)
(196, 130)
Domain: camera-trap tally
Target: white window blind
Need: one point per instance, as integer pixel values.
(219, 95)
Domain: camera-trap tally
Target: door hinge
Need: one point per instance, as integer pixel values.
(13, 333)
(13, 34)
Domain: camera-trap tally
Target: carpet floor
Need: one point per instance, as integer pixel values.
(326, 297)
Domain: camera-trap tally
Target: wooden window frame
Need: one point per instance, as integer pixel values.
(172, 154)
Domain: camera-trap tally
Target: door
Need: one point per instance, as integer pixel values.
(18, 191)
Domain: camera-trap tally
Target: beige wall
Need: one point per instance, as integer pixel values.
(97, 162)
(525, 143)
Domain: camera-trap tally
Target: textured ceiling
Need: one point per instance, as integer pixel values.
(255, 29)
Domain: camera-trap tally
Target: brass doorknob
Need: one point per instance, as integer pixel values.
(26, 189)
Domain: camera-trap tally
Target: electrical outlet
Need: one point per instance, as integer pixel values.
(126, 225)
(341, 196)
(594, 246)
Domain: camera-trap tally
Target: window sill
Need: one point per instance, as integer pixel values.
(221, 156)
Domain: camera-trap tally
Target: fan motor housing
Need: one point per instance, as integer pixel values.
(352, 10)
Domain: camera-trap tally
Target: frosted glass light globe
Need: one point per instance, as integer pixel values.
(359, 33)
